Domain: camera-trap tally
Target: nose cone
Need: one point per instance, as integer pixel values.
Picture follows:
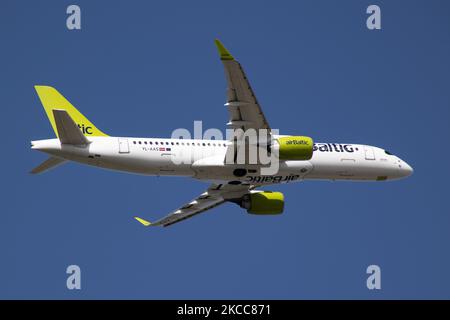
(405, 170)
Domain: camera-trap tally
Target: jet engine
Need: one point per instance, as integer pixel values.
(263, 202)
(294, 148)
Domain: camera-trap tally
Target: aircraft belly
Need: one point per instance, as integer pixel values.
(289, 171)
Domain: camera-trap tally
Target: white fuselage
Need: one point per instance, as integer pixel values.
(204, 160)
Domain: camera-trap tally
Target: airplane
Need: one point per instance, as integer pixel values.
(299, 157)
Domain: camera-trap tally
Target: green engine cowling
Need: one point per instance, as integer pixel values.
(264, 202)
(295, 148)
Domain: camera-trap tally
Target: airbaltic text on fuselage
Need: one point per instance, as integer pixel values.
(334, 147)
(271, 179)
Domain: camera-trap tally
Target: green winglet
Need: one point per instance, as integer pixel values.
(144, 222)
(224, 53)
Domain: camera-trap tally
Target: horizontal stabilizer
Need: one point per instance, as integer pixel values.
(48, 164)
(68, 131)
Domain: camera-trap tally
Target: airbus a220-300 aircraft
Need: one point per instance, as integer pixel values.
(299, 158)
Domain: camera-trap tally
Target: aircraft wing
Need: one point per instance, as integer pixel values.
(243, 107)
(244, 110)
(215, 195)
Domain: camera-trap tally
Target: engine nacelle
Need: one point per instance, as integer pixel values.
(264, 202)
(294, 148)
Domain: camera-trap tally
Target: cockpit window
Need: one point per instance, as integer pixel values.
(387, 152)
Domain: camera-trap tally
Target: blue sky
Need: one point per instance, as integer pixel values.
(141, 68)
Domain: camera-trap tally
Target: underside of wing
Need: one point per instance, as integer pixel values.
(244, 109)
(214, 196)
(246, 116)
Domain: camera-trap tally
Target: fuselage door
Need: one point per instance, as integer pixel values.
(370, 154)
(123, 146)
